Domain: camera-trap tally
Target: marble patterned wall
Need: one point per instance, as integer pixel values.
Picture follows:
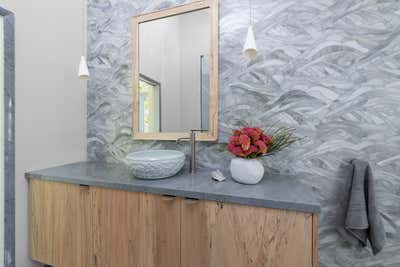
(329, 68)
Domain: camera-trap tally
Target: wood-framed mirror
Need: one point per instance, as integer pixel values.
(175, 72)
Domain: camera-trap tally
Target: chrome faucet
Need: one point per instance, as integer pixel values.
(192, 139)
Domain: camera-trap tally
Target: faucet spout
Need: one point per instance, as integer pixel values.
(192, 140)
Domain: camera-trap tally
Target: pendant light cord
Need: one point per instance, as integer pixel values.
(251, 15)
(84, 29)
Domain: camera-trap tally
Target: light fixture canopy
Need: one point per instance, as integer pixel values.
(250, 47)
(83, 70)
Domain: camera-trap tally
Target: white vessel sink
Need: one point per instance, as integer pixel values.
(155, 164)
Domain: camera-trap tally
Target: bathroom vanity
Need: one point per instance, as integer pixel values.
(96, 214)
(92, 214)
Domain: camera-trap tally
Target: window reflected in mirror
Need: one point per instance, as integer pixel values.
(149, 108)
(205, 91)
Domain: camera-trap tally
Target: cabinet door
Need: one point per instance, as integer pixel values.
(135, 229)
(197, 228)
(59, 223)
(116, 222)
(253, 236)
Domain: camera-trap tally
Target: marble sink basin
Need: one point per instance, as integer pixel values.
(155, 164)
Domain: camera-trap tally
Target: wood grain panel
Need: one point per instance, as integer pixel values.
(59, 223)
(40, 221)
(214, 68)
(315, 240)
(252, 236)
(197, 224)
(72, 225)
(173, 11)
(135, 229)
(116, 223)
(165, 222)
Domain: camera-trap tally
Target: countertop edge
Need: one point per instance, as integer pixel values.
(273, 204)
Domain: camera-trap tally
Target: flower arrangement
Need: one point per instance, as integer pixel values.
(253, 142)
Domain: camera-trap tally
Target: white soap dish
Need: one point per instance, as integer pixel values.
(217, 176)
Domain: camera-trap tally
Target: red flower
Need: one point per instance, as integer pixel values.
(262, 146)
(249, 142)
(236, 150)
(266, 139)
(251, 150)
(237, 132)
(259, 131)
(230, 146)
(235, 140)
(254, 133)
(245, 142)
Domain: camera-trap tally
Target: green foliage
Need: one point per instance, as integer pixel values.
(282, 138)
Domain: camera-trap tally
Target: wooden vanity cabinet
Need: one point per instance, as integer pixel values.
(59, 219)
(254, 236)
(221, 234)
(72, 226)
(198, 219)
(135, 229)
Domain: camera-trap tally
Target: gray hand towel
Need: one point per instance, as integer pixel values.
(363, 220)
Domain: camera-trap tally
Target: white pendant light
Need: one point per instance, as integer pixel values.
(250, 47)
(83, 72)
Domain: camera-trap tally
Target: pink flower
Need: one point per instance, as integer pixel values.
(230, 146)
(237, 132)
(235, 140)
(245, 141)
(252, 133)
(262, 146)
(252, 150)
(259, 131)
(236, 150)
(249, 142)
(266, 139)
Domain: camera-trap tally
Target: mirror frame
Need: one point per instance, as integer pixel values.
(212, 133)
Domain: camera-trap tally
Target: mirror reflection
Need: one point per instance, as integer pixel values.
(174, 73)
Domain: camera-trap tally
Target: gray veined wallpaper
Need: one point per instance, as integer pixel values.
(329, 68)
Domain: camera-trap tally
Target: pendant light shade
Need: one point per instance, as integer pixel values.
(250, 48)
(83, 70)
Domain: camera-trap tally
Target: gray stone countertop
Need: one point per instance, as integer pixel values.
(274, 191)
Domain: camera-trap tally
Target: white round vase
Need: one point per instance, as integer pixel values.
(247, 171)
